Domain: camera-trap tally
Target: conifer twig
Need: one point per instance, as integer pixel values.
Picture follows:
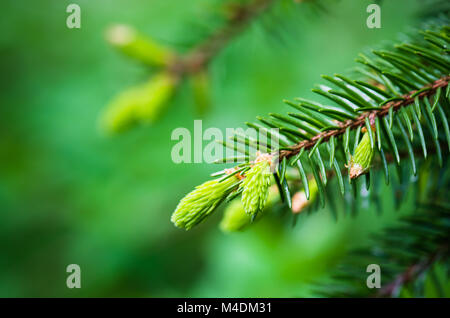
(326, 135)
(411, 273)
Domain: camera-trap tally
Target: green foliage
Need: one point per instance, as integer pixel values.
(69, 195)
(255, 187)
(202, 201)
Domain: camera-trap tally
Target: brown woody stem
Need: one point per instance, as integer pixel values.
(202, 54)
(411, 273)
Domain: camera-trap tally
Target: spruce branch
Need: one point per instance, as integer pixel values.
(235, 217)
(399, 92)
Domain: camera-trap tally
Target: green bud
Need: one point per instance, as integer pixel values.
(256, 185)
(201, 202)
(121, 113)
(201, 89)
(158, 91)
(235, 219)
(360, 162)
(137, 46)
(299, 200)
(143, 103)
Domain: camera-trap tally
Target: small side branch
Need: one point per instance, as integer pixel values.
(203, 53)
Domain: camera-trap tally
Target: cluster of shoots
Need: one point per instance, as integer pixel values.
(145, 103)
(252, 184)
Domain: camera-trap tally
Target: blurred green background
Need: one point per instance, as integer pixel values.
(70, 195)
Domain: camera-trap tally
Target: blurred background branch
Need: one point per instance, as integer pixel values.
(146, 104)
